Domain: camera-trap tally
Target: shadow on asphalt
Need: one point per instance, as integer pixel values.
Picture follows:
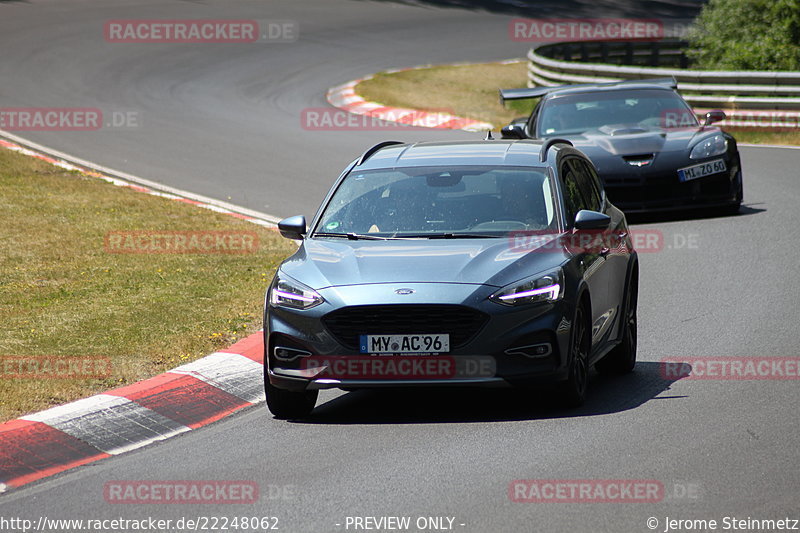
(571, 8)
(694, 214)
(457, 405)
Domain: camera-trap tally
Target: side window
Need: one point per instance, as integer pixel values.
(533, 118)
(596, 182)
(587, 185)
(573, 198)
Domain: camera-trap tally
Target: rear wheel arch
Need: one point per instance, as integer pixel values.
(632, 278)
(584, 300)
(621, 359)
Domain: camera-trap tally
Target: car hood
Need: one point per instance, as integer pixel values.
(621, 140)
(322, 263)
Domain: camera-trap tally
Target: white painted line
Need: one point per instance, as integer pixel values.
(112, 424)
(790, 147)
(233, 373)
(344, 100)
(130, 178)
(480, 126)
(74, 409)
(3, 488)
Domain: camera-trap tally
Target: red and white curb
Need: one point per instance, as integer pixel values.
(345, 97)
(188, 397)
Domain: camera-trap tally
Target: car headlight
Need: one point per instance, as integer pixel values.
(540, 288)
(288, 292)
(714, 145)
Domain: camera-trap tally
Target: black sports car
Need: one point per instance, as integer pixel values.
(480, 263)
(645, 141)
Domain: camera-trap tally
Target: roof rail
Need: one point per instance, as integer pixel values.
(366, 155)
(546, 145)
(536, 92)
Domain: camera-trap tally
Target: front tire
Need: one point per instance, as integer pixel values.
(573, 390)
(733, 209)
(286, 404)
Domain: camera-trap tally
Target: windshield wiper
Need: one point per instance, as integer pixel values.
(446, 236)
(351, 236)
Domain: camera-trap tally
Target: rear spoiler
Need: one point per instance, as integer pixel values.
(536, 92)
(522, 94)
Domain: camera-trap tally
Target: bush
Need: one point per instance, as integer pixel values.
(747, 35)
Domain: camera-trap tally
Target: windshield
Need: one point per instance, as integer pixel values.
(643, 108)
(456, 201)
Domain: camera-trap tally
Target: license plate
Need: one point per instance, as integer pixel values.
(701, 170)
(425, 343)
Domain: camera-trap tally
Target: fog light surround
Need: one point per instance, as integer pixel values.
(282, 353)
(533, 351)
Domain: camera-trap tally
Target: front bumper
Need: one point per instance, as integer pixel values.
(659, 189)
(312, 345)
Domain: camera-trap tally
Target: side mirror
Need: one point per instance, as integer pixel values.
(586, 219)
(715, 115)
(513, 131)
(293, 227)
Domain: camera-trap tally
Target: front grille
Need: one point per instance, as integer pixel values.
(655, 190)
(460, 322)
(639, 160)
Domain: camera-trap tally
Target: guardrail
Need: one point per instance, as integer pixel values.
(605, 61)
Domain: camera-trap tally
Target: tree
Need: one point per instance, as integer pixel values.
(746, 35)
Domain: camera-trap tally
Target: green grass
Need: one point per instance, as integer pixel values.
(468, 91)
(761, 136)
(63, 294)
(471, 91)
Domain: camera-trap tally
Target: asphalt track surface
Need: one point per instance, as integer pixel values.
(223, 120)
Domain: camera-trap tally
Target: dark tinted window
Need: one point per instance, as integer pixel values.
(587, 185)
(427, 200)
(596, 182)
(609, 110)
(574, 200)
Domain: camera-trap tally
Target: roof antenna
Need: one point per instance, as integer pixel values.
(489, 136)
